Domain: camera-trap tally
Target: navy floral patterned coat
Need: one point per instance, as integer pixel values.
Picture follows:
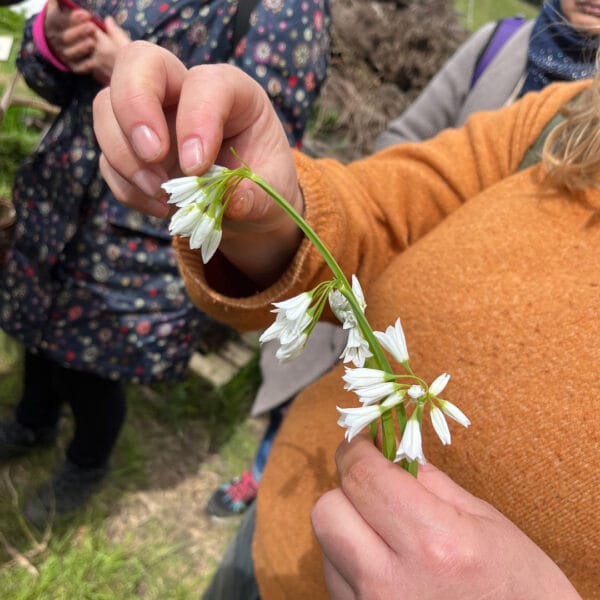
(88, 282)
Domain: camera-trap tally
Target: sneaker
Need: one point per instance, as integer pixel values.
(68, 491)
(233, 498)
(16, 439)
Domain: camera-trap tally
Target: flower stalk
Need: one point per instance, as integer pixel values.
(384, 394)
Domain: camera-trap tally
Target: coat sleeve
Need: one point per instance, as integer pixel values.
(55, 86)
(382, 204)
(287, 52)
(439, 104)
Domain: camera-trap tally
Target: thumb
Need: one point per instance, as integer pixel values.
(116, 33)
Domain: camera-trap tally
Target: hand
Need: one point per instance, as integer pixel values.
(385, 534)
(158, 119)
(101, 61)
(70, 34)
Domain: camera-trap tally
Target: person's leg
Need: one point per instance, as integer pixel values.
(99, 409)
(40, 405)
(235, 496)
(36, 415)
(234, 579)
(260, 460)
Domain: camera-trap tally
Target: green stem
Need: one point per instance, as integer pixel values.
(387, 421)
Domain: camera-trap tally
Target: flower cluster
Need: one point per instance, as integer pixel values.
(201, 203)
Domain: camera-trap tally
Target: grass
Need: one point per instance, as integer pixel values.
(476, 13)
(179, 440)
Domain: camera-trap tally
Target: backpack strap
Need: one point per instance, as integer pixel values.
(242, 20)
(505, 29)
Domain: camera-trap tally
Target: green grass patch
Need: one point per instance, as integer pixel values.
(82, 564)
(476, 13)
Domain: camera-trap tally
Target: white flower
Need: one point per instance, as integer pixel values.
(357, 348)
(201, 228)
(359, 378)
(454, 412)
(438, 385)
(211, 244)
(358, 293)
(439, 424)
(292, 349)
(341, 307)
(411, 446)
(415, 391)
(185, 191)
(295, 307)
(394, 342)
(355, 420)
(374, 393)
(290, 326)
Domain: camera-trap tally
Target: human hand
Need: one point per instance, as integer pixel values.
(101, 61)
(70, 34)
(158, 119)
(385, 534)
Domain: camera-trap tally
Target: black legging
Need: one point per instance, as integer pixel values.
(98, 406)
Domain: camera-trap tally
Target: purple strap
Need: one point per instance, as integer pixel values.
(505, 29)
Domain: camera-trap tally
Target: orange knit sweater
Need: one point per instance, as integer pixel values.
(497, 281)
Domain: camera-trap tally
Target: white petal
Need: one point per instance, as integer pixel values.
(357, 290)
(415, 391)
(357, 349)
(201, 231)
(211, 244)
(358, 378)
(273, 331)
(295, 307)
(437, 387)
(339, 305)
(184, 221)
(290, 351)
(411, 444)
(394, 342)
(455, 413)
(356, 419)
(439, 424)
(373, 393)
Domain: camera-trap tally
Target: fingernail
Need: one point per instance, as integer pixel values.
(191, 154)
(145, 142)
(148, 182)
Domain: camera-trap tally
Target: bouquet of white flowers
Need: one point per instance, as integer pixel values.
(385, 396)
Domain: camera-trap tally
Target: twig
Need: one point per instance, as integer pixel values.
(18, 558)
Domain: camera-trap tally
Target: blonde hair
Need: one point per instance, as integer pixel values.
(571, 152)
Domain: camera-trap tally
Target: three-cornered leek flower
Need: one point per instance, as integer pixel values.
(384, 394)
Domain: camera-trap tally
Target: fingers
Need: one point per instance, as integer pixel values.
(132, 195)
(354, 555)
(338, 587)
(117, 34)
(400, 508)
(146, 79)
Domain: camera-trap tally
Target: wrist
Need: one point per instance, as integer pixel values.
(41, 42)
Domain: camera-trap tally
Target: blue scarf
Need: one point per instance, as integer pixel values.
(557, 52)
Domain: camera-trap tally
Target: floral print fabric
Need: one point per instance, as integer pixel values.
(88, 282)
